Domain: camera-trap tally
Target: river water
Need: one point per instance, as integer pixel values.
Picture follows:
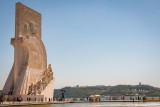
(101, 104)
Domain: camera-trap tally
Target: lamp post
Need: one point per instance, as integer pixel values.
(62, 91)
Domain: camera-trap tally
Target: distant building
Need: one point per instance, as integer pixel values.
(100, 85)
(77, 86)
(97, 86)
(0, 92)
(140, 83)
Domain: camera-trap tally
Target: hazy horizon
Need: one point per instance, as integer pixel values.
(92, 42)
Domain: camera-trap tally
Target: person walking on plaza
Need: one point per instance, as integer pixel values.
(13, 99)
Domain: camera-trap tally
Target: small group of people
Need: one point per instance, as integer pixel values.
(1, 100)
(34, 99)
(18, 99)
(58, 99)
(38, 99)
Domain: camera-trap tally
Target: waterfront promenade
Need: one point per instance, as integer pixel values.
(31, 103)
(23, 103)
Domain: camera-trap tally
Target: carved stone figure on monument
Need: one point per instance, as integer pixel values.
(31, 88)
(35, 90)
(49, 68)
(38, 84)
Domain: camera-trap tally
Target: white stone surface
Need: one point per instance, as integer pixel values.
(48, 92)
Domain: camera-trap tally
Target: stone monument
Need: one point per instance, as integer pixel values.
(29, 74)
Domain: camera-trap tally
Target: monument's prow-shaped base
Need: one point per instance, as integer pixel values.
(29, 74)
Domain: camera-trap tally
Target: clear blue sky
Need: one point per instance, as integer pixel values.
(92, 42)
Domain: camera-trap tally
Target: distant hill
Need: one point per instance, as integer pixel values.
(80, 92)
